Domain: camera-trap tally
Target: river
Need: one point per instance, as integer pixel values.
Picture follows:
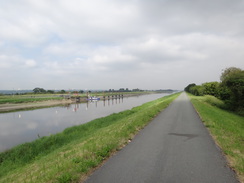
(25, 126)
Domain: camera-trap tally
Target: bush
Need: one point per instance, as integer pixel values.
(211, 88)
(234, 84)
(197, 90)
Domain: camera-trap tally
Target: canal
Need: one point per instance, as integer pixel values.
(25, 126)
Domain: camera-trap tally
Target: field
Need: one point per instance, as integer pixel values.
(13, 99)
(69, 156)
(226, 128)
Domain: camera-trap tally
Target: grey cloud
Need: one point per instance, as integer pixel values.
(194, 16)
(116, 40)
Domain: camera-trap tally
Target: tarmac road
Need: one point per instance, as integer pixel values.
(174, 147)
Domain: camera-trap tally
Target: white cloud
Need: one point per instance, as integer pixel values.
(5, 63)
(30, 63)
(21, 24)
(9, 61)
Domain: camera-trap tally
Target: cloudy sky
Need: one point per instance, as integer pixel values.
(103, 44)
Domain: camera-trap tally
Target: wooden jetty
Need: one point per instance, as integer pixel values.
(109, 97)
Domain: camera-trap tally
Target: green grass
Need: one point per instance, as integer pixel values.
(26, 99)
(226, 127)
(70, 155)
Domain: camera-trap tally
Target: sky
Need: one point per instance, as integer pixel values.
(112, 44)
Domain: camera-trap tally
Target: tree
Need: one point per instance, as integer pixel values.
(224, 92)
(62, 91)
(233, 82)
(50, 91)
(39, 90)
(228, 72)
(187, 89)
(196, 90)
(211, 88)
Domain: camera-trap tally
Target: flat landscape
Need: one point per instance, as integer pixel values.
(71, 75)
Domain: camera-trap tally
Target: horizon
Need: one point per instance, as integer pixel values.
(76, 89)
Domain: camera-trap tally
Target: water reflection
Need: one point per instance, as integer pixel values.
(25, 126)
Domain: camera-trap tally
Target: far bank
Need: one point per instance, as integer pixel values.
(28, 102)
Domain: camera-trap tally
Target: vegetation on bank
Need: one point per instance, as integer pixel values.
(70, 155)
(26, 99)
(221, 107)
(227, 128)
(230, 89)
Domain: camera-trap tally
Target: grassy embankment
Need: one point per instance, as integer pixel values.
(70, 155)
(226, 128)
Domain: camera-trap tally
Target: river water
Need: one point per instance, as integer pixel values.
(25, 126)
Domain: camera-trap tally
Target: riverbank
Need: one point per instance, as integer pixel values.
(33, 105)
(10, 107)
(227, 129)
(69, 156)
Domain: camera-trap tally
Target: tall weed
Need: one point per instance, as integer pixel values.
(215, 101)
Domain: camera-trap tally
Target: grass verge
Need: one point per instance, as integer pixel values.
(226, 128)
(70, 155)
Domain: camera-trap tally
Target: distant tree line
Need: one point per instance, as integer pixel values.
(43, 91)
(125, 90)
(230, 89)
(39, 90)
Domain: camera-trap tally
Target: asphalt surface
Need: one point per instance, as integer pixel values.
(174, 147)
